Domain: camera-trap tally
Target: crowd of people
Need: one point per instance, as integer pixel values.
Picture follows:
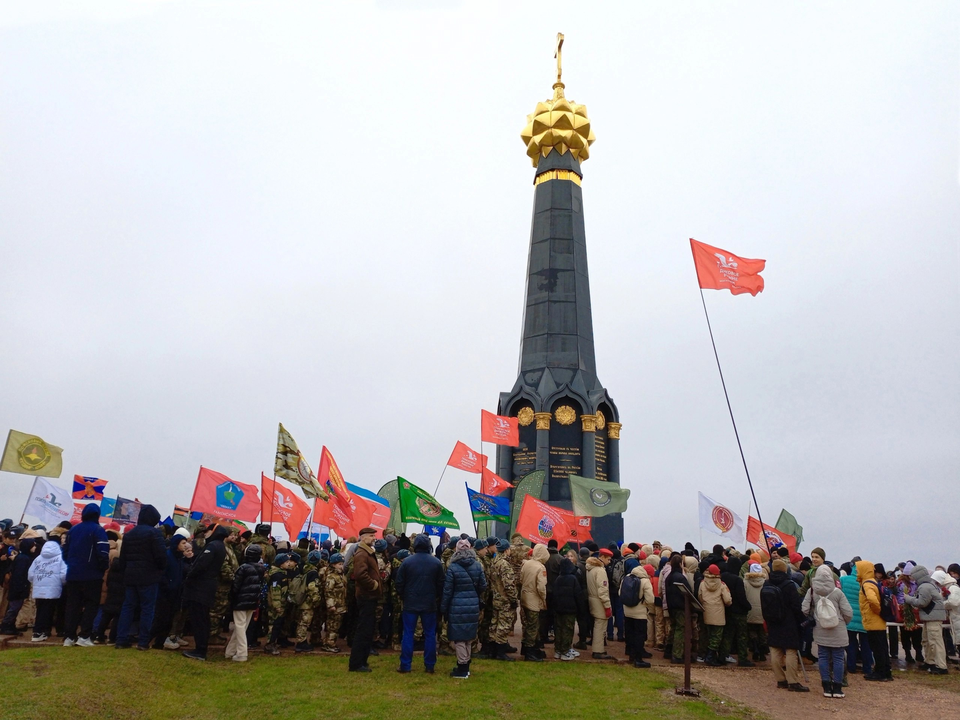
(153, 585)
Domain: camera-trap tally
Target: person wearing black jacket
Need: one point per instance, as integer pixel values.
(584, 621)
(200, 589)
(676, 605)
(552, 566)
(168, 594)
(143, 556)
(783, 632)
(244, 597)
(568, 604)
(19, 589)
(419, 583)
(736, 627)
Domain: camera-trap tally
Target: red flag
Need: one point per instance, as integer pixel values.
(492, 484)
(278, 502)
(720, 270)
(774, 536)
(219, 495)
(540, 522)
(499, 429)
(463, 458)
(330, 477)
(363, 513)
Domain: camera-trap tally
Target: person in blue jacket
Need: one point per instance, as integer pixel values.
(88, 556)
(143, 557)
(419, 583)
(463, 588)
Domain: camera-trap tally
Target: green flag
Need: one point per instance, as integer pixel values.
(788, 523)
(417, 505)
(596, 498)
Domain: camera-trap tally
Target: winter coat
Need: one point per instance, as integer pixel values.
(927, 591)
(366, 574)
(740, 604)
(714, 595)
(851, 588)
(824, 585)
(952, 605)
(143, 553)
(247, 582)
(19, 582)
(598, 592)
(567, 598)
(869, 598)
(171, 583)
(641, 610)
(200, 584)
(675, 599)
(752, 582)
(87, 551)
(112, 555)
(785, 634)
(533, 580)
(116, 590)
(463, 586)
(48, 573)
(419, 581)
(553, 568)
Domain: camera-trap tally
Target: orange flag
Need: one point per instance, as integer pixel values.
(331, 479)
(720, 270)
(492, 484)
(755, 533)
(499, 429)
(540, 522)
(463, 458)
(280, 503)
(218, 495)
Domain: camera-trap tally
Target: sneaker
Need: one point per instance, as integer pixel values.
(575, 653)
(84, 642)
(569, 655)
(194, 655)
(237, 658)
(558, 656)
(180, 641)
(39, 637)
(171, 644)
(69, 643)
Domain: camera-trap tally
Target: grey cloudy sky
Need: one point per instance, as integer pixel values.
(215, 216)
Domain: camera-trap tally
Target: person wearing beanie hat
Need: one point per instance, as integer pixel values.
(245, 598)
(278, 583)
(714, 595)
(859, 647)
(505, 598)
(169, 595)
(753, 581)
(419, 584)
(200, 589)
(635, 617)
(783, 615)
(335, 599)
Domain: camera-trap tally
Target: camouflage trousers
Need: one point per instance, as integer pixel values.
(304, 620)
(397, 634)
(502, 622)
(316, 625)
(333, 628)
(486, 615)
(221, 604)
(530, 621)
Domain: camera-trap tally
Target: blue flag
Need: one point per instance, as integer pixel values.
(434, 530)
(488, 507)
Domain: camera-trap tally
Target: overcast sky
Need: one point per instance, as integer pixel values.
(218, 216)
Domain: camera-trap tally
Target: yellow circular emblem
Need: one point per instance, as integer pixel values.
(525, 416)
(565, 415)
(601, 421)
(33, 454)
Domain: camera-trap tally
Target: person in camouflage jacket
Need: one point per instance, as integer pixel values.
(278, 585)
(504, 586)
(335, 596)
(221, 601)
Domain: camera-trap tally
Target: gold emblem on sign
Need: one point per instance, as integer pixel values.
(565, 415)
(525, 416)
(601, 420)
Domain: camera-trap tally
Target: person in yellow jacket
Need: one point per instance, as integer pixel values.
(533, 600)
(871, 604)
(598, 595)
(715, 596)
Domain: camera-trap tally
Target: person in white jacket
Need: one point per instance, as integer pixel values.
(47, 575)
(952, 602)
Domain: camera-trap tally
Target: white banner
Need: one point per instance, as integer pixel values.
(721, 520)
(49, 503)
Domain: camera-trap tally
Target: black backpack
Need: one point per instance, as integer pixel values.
(771, 603)
(630, 591)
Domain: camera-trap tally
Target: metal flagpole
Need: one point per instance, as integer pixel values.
(438, 482)
(32, 488)
(732, 420)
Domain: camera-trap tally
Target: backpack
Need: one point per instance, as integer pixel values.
(297, 590)
(616, 574)
(771, 603)
(630, 591)
(886, 600)
(826, 613)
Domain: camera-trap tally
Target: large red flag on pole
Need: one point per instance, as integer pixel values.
(498, 429)
(492, 484)
(540, 522)
(330, 477)
(721, 270)
(218, 495)
(286, 506)
(463, 458)
(774, 537)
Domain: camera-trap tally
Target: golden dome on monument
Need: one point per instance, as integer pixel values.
(559, 124)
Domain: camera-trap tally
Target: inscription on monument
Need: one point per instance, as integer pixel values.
(601, 454)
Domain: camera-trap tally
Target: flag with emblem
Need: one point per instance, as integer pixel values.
(88, 488)
(417, 505)
(333, 483)
(281, 503)
(540, 522)
(596, 498)
(756, 531)
(291, 465)
(49, 502)
(720, 520)
(463, 458)
(218, 495)
(126, 511)
(492, 484)
(487, 507)
(499, 429)
(719, 269)
(30, 455)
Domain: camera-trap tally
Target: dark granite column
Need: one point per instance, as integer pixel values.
(613, 451)
(543, 448)
(588, 467)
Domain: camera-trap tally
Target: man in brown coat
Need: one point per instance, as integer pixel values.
(369, 588)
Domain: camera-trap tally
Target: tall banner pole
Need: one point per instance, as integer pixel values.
(434, 493)
(29, 497)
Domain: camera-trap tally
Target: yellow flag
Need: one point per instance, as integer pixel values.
(30, 455)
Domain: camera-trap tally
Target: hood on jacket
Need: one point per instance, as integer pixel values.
(711, 581)
(50, 550)
(174, 541)
(690, 564)
(148, 516)
(823, 582)
(864, 571)
(919, 574)
(593, 562)
(220, 533)
(938, 576)
(26, 545)
(465, 557)
(733, 565)
(541, 553)
(91, 512)
(421, 543)
(567, 567)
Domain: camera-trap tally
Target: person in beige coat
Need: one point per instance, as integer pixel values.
(756, 634)
(637, 617)
(598, 595)
(714, 595)
(533, 599)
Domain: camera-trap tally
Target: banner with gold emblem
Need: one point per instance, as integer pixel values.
(30, 455)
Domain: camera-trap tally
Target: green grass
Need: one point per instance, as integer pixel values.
(103, 683)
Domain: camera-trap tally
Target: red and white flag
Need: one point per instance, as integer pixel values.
(280, 503)
(463, 458)
(721, 270)
(498, 429)
(540, 522)
(492, 484)
(218, 495)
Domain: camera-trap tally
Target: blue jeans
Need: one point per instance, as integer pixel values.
(858, 641)
(831, 662)
(146, 598)
(429, 620)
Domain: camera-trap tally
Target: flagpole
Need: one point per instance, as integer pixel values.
(730, 409)
(32, 488)
(438, 482)
(273, 495)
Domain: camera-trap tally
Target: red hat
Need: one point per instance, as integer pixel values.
(112, 526)
(713, 570)
(605, 552)
(796, 558)
(651, 570)
(642, 555)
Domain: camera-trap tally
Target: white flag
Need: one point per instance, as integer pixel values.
(721, 520)
(49, 503)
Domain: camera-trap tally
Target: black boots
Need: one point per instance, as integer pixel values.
(530, 654)
(502, 650)
(462, 671)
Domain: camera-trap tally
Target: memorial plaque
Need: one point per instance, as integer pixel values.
(525, 456)
(600, 440)
(565, 458)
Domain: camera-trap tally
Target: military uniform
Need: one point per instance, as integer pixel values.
(441, 623)
(396, 603)
(518, 553)
(305, 610)
(385, 568)
(335, 596)
(320, 611)
(504, 586)
(269, 551)
(278, 582)
(221, 601)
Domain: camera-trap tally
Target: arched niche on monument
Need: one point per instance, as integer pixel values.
(604, 415)
(525, 455)
(566, 446)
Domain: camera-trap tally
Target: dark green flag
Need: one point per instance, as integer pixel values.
(788, 523)
(596, 498)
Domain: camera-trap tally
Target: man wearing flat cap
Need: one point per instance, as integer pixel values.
(369, 588)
